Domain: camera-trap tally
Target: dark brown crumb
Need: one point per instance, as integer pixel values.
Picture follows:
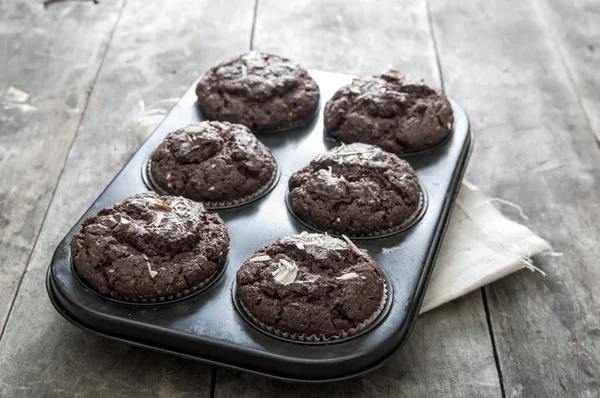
(140, 250)
(261, 91)
(212, 162)
(399, 115)
(327, 287)
(357, 190)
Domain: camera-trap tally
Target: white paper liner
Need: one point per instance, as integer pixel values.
(406, 224)
(320, 338)
(209, 204)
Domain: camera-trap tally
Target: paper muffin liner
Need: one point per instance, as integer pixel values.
(409, 222)
(342, 334)
(218, 204)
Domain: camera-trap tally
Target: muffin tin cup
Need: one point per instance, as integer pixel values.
(342, 335)
(265, 189)
(409, 223)
(208, 282)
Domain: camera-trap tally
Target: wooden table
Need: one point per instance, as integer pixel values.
(100, 76)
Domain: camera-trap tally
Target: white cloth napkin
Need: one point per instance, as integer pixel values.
(480, 246)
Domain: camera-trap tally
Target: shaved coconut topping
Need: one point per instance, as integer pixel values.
(328, 177)
(322, 241)
(356, 149)
(253, 60)
(158, 220)
(125, 221)
(285, 273)
(152, 273)
(352, 245)
(348, 276)
(193, 129)
(259, 259)
(300, 245)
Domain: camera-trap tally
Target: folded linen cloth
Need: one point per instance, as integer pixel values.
(480, 246)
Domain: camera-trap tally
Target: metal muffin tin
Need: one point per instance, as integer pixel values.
(207, 326)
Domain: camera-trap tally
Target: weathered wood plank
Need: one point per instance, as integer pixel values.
(444, 357)
(450, 351)
(575, 25)
(159, 48)
(535, 148)
(45, 77)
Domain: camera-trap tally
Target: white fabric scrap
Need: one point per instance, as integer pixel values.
(480, 246)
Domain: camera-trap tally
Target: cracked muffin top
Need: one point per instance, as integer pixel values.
(311, 284)
(261, 91)
(356, 189)
(396, 113)
(216, 163)
(149, 248)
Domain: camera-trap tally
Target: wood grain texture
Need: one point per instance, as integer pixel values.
(534, 148)
(444, 357)
(159, 48)
(575, 26)
(450, 351)
(45, 77)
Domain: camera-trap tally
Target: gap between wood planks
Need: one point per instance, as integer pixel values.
(483, 295)
(85, 106)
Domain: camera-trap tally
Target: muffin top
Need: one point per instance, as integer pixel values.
(356, 189)
(212, 162)
(396, 113)
(311, 284)
(261, 91)
(149, 247)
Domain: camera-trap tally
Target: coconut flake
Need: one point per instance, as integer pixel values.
(286, 272)
(327, 176)
(259, 259)
(352, 245)
(158, 220)
(193, 129)
(300, 245)
(124, 221)
(348, 276)
(152, 273)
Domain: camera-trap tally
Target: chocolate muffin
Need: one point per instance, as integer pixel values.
(356, 189)
(311, 287)
(150, 248)
(212, 162)
(396, 113)
(261, 91)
